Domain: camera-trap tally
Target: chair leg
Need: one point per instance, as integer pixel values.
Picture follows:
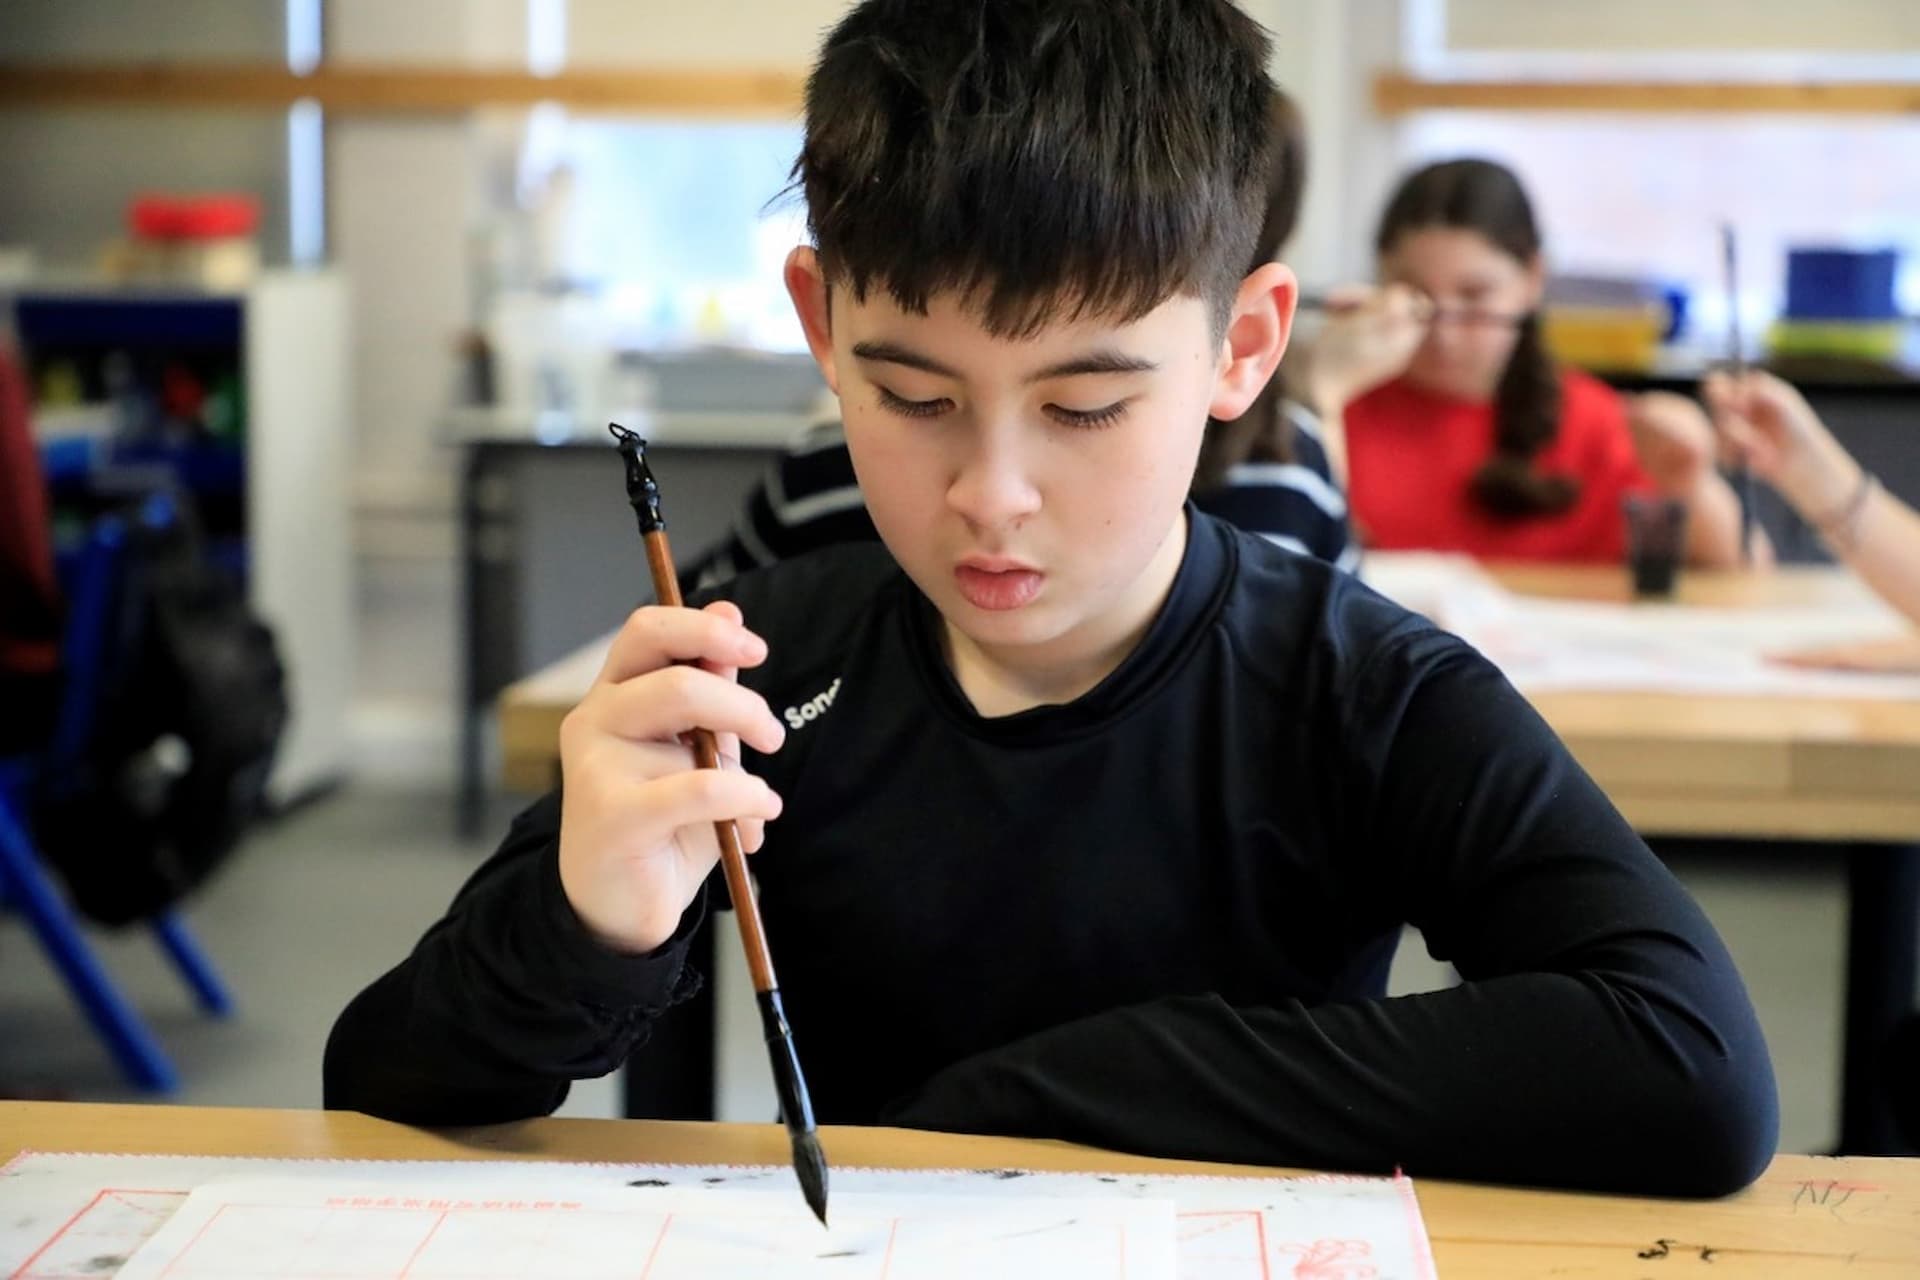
(192, 962)
(139, 1055)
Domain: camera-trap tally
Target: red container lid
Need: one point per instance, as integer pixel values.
(208, 217)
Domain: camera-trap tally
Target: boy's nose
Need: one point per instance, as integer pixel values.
(993, 487)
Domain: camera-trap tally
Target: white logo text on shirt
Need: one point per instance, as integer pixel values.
(812, 708)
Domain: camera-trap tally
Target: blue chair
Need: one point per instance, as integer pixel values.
(92, 577)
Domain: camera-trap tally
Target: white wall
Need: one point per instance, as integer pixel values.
(401, 195)
(727, 33)
(400, 201)
(1832, 26)
(1325, 54)
(67, 174)
(112, 30)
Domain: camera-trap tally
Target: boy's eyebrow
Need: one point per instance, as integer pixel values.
(1103, 361)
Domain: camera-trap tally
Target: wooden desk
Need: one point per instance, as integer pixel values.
(1718, 765)
(1837, 770)
(1806, 1217)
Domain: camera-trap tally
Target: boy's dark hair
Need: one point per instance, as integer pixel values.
(1039, 157)
(1479, 195)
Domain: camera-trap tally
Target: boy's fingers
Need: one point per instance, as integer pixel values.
(662, 705)
(705, 796)
(653, 637)
(726, 609)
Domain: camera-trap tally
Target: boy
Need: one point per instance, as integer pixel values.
(1091, 818)
(1269, 471)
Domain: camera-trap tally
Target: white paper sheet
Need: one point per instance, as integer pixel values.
(65, 1215)
(277, 1229)
(1547, 646)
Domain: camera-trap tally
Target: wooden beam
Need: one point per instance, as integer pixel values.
(1395, 93)
(776, 92)
(377, 90)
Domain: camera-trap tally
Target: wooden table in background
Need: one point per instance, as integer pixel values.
(1676, 764)
(1844, 772)
(1806, 1217)
(1722, 765)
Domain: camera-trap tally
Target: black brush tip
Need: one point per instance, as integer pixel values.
(810, 1166)
(796, 1108)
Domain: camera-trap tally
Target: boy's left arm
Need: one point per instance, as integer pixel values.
(1601, 1038)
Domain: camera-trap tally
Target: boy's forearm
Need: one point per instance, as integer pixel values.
(1566, 1080)
(503, 1003)
(379, 1063)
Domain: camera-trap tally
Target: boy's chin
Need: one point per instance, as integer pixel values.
(1039, 622)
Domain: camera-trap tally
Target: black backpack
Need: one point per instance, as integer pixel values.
(192, 704)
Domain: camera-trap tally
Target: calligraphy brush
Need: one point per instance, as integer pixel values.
(796, 1108)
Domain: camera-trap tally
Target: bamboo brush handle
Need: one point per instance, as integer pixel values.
(706, 754)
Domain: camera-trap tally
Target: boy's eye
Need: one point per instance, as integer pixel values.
(1102, 417)
(912, 408)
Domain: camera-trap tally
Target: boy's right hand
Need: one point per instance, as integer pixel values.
(637, 815)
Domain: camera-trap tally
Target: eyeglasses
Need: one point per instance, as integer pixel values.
(1477, 318)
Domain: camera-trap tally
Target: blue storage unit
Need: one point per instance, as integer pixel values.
(167, 368)
(1841, 284)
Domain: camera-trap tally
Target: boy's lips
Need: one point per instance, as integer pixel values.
(997, 583)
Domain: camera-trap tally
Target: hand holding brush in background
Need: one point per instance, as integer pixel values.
(1768, 425)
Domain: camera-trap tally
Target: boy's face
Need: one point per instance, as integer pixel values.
(1032, 487)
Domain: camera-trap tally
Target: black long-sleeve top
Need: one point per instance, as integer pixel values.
(1157, 918)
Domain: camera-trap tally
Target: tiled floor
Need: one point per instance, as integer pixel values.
(322, 901)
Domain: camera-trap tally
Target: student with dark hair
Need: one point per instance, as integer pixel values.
(1108, 815)
(1266, 471)
(1483, 444)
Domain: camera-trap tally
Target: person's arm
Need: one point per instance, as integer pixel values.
(1770, 424)
(1296, 504)
(1714, 527)
(560, 950)
(1368, 337)
(1674, 443)
(808, 498)
(1601, 1038)
(503, 1003)
(1330, 527)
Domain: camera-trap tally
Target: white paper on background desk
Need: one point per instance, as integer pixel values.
(281, 1228)
(1549, 645)
(1552, 645)
(65, 1215)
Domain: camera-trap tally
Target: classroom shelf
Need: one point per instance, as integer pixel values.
(271, 489)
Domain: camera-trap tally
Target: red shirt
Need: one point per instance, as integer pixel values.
(1412, 455)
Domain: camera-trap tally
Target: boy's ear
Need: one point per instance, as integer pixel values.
(807, 286)
(1256, 337)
